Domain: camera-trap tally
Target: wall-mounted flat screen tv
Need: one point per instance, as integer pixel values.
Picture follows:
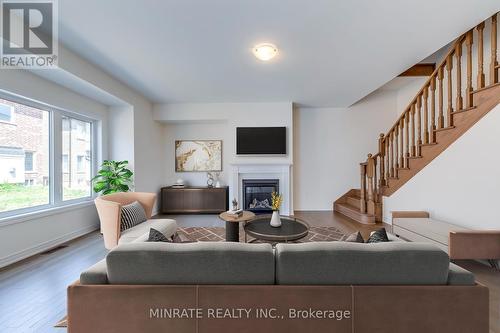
(261, 140)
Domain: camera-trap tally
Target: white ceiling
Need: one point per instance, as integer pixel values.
(332, 53)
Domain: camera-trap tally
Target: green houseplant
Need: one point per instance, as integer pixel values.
(113, 177)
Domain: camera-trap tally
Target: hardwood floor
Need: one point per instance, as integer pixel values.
(33, 292)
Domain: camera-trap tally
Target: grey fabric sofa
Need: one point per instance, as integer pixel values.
(403, 287)
(317, 263)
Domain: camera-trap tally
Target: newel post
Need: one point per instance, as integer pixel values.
(362, 169)
(370, 173)
(381, 149)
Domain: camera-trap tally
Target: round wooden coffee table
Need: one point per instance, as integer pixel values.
(291, 229)
(233, 224)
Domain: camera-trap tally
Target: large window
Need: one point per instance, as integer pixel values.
(33, 138)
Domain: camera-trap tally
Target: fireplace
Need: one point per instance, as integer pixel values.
(257, 194)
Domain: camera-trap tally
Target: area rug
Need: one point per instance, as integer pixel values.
(216, 234)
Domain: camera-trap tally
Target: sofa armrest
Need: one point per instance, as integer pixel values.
(458, 276)
(474, 244)
(147, 201)
(109, 214)
(96, 274)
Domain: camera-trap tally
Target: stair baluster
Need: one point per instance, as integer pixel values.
(402, 150)
(387, 141)
(449, 111)
(440, 99)
(419, 125)
(396, 155)
(426, 116)
(432, 138)
(480, 56)
(458, 59)
(407, 139)
(413, 146)
(391, 140)
(468, 88)
(493, 62)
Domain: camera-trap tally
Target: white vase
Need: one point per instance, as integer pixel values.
(275, 219)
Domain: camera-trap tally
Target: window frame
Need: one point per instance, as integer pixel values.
(55, 157)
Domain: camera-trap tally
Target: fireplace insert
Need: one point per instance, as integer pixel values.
(257, 194)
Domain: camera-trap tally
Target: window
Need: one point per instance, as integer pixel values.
(19, 189)
(29, 150)
(76, 142)
(28, 161)
(6, 112)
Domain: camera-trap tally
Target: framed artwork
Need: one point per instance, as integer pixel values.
(198, 155)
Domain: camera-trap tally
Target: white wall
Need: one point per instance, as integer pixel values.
(218, 121)
(36, 233)
(331, 142)
(462, 184)
(121, 134)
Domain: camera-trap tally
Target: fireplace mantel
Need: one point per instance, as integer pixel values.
(281, 171)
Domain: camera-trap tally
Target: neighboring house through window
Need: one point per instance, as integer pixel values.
(6, 112)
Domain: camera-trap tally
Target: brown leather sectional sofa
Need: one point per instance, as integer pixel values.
(312, 287)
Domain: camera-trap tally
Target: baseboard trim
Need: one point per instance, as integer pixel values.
(26, 253)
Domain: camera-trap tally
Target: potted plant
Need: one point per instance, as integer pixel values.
(114, 176)
(276, 201)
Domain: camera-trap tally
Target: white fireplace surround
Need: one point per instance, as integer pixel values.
(281, 172)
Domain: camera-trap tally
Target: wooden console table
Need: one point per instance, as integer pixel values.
(191, 200)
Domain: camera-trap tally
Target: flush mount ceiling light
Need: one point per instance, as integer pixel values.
(265, 51)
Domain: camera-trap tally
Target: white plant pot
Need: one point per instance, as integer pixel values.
(275, 219)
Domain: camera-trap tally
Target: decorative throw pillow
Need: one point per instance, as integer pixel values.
(378, 236)
(132, 215)
(156, 236)
(355, 237)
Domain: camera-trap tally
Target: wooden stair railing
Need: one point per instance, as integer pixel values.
(427, 115)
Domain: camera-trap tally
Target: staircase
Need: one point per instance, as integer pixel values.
(448, 104)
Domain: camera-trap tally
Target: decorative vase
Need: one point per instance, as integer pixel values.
(275, 219)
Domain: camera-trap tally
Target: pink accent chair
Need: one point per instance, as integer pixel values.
(109, 209)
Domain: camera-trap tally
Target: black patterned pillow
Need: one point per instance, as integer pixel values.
(378, 236)
(355, 237)
(156, 236)
(132, 215)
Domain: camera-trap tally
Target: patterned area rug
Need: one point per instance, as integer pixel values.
(215, 234)
(201, 234)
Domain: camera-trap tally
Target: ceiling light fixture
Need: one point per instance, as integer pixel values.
(265, 51)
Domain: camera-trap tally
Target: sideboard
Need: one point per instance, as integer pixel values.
(191, 200)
